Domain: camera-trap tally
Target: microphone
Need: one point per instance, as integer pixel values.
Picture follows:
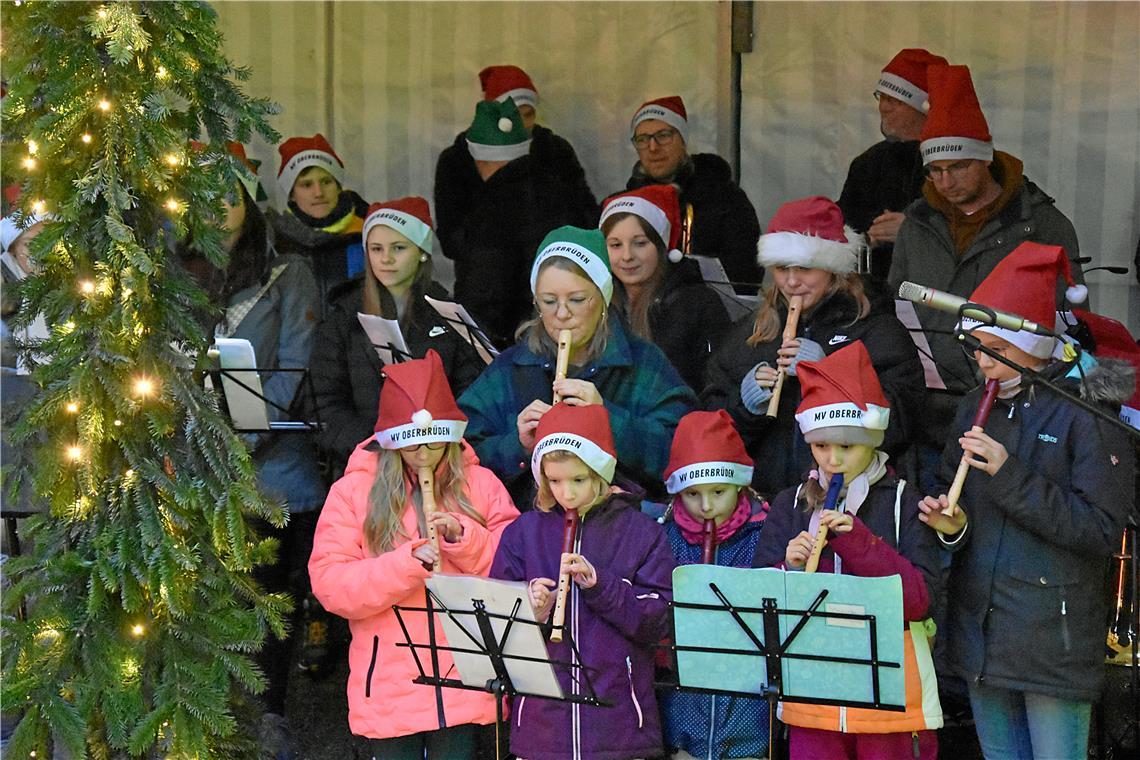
(937, 299)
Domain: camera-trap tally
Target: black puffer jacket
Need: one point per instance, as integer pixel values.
(346, 368)
(1026, 608)
(329, 253)
(775, 444)
(688, 321)
(724, 222)
(492, 229)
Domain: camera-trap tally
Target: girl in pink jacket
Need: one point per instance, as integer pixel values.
(372, 551)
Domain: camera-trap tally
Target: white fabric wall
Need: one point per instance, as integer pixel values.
(1059, 84)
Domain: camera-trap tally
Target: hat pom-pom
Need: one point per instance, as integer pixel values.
(926, 106)
(675, 256)
(505, 124)
(422, 418)
(1076, 293)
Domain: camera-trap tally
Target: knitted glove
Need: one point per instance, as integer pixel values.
(754, 396)
(810, 351)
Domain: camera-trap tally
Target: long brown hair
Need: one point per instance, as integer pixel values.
(388, 497)
(379, 302)
(539, 341)
(638, 313)
(768, 325)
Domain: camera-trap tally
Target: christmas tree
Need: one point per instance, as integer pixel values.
(129, 626)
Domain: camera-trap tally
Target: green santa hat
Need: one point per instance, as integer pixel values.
(586, 248)
(497, 132)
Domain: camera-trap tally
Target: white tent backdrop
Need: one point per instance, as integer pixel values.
(391, 83)
(1059, 84)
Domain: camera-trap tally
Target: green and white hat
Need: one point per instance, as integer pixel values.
(497, 132)
(586, 248)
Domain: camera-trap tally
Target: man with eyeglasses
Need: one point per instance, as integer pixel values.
(976, 207)
(724, 222)
(887, 177)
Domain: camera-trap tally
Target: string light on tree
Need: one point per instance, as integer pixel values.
(86, 138)
(144, 387)
(138, 630)
(29, 163)
(104, 105)
(72, 407)
(86, 287)
(39, 207)
(33, 146)
(173, 205)
(162, 73)
(173, 159)
(74, 453)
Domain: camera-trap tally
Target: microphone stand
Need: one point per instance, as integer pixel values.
(973, 344)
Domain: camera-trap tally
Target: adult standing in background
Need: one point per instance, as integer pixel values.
(724, 225)
(492, 209)
(322, 220)
(887, 177)
(977, 206)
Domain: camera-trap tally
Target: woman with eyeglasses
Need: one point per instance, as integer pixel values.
(660, 293)
(645, 396)
(724, 222)
(377, 543)
(812, 255)
(346, 368)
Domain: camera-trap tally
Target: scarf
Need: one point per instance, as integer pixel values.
(853, 494)
(338, 222)
(693, 529)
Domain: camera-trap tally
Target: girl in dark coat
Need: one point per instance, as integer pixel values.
(1048, 492)
(661, 294)
(346, 368)
(812, 254)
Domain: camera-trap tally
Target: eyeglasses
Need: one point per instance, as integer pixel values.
(575, 305)
(430, 446)
(955, 170)
(662, 138)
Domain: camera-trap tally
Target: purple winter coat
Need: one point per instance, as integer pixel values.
(615, 624)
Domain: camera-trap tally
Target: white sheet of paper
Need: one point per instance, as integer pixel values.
(462, 322)
(384, 335)
(457, 593)
(904, 310)
(247, 409)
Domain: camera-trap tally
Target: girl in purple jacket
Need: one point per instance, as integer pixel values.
(617, 607)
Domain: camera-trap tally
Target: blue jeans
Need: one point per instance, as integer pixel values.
(1020, 725)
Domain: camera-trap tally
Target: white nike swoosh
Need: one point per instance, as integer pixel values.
(436, 331)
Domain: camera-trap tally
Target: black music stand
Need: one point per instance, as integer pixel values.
(775, 650)
(241, 386)
(489, 658)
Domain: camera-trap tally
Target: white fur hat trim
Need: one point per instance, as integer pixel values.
(791, 249)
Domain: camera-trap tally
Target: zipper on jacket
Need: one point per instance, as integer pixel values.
(522, 702)
(371, 667)
(1065, 623)
(636, 704)
(914, 744)
(712, 725)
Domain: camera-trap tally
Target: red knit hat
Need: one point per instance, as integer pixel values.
(670, 110)
(583, 431)
(842, 400)
(409, 216)
(904, 78)
(502, 82)
(955, 129)
(1025, 283)
(299, 153)
(417, 405)
(1113, 341)
(707, 449)
(810, 233)
(656, 204)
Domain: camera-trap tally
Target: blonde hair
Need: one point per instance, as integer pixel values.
(544, 500)
(768, 325)
(539, 341)
(387, 499)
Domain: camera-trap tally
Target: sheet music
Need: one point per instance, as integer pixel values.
(712, 271)
(464, 324)
(904, 310)
(457, 592)
(384, 335)
(247, 409)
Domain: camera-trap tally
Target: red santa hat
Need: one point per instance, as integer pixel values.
(670, 110)
(842, 401)
(299, 153)
(904, 78)
(409, 216)
(417, 405)
(707, 449)
(584, 431)
(810, 233)
(502, 82)
(955, 128)
(1113, 341)
(1025, 283)
(656, 204)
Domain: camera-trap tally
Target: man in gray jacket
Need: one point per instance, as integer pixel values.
(976, 207)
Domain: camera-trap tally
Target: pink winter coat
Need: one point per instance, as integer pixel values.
(351, 582)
